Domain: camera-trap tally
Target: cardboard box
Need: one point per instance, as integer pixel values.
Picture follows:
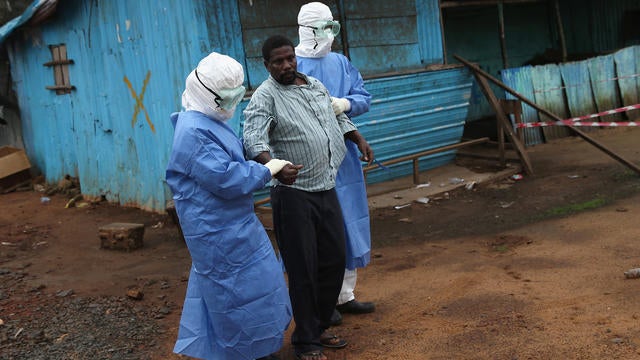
(14, 167)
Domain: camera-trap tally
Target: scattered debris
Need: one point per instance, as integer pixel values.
(68, 185)
(45, 200)
(470, 186)
(516, 177)
(422, 200)
(420, 186)
(622, 209)
(61, 338)
(574, 176)
(505, 205)
(135, 294)
(632, 273)
(398, 207)
(396, 196)
(405, 220)
(456, 180)
(64, 293)
(72, 202)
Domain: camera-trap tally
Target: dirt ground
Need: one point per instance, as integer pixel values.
(528, 269)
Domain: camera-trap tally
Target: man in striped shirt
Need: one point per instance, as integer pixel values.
(290, 117)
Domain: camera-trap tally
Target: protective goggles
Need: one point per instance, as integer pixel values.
(226, 99)
(325, 28)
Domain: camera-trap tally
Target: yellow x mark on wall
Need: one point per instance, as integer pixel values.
(139, 99)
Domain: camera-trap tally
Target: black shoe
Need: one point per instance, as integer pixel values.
(356, 307)
(336, 318)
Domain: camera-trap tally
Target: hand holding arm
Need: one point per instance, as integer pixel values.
(275, 165)
(287, 174)
(340, 105)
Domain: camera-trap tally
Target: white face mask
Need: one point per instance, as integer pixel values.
(313, 46)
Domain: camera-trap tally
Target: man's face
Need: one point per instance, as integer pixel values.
(282, 65)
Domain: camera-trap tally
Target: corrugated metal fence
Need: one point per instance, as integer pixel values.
(577, 89)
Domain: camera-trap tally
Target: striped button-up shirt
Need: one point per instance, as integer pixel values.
(297, 123)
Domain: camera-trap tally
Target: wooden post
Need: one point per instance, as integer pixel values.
(503, 44)
(504, 122)
(444, 44)
(563, 44)
(517, 114)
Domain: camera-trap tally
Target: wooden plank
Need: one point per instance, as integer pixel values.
(504, 122)
(563, 43)
(453, 4)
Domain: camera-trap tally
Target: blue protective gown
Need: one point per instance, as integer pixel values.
(343, 80)
(237, 303)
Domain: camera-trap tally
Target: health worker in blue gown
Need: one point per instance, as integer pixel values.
(317, 30)
(237, 303)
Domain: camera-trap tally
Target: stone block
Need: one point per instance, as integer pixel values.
(121, 236)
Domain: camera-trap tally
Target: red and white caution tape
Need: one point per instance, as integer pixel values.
(576, 121)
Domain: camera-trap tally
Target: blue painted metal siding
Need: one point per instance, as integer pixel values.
(130, 60)
(382, 36)
(628, 70)
(412, 113)
(114, 137)
(519, 79)
(591, 28)
(388, 36)
(549, 94)
(579, 88)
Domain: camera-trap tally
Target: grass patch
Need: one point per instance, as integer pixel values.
(501, 248)
(574, 208)
(625, 175)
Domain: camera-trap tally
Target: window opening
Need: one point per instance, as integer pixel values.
(60, 65)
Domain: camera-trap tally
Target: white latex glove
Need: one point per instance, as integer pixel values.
(275, 165)
(340, 105)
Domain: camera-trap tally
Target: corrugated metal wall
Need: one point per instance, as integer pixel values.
(598, 26)
(381, 36)
(591, 28)
(413, 113)
(130, 62)
(473, 33)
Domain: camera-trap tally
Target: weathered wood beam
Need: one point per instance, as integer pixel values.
(453, 4)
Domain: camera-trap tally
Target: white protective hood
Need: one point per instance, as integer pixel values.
(217, 72)
(310, 45)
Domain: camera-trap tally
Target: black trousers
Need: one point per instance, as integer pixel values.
(310, 235)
